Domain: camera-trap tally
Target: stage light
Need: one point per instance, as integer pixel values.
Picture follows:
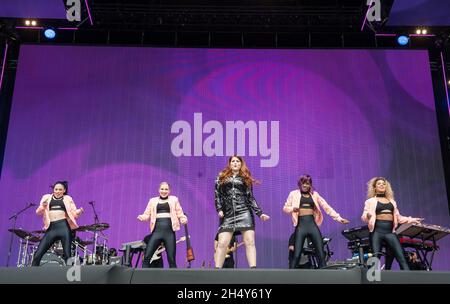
(421, 31)
(403, 40)
(49, 33)
(33, 23)
(27, 22)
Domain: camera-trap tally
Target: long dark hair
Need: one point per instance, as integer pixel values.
(65, 184)
(303, 179)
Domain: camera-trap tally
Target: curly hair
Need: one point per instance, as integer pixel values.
(371, 188)
(244, 172)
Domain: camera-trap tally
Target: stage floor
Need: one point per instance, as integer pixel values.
(124, 275)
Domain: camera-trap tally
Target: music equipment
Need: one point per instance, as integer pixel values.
(27, 246)
(14, 218)
(93, 227)
(157, 254)
(115, 260)
(38, 231)
(99, 253)
(83, 242)
(310, 252)
(129, 249)
(423, 231)
(421, 238)
(356, 233)
(135, 245)
(52, 259)
(25, 235)
(230, 250)
(189, 251)
(100, 257)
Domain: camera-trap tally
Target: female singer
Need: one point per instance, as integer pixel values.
(234, 204)
(165, 214)
(59, 213)
(304, 206)
(382, 215)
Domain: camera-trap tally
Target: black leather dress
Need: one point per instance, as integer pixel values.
(235, 199)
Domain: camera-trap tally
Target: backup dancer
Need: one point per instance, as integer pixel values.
(59, 214)
(165, 215)
(304, 206)
(382, 216)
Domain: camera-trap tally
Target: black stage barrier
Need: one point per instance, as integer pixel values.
(124, 275)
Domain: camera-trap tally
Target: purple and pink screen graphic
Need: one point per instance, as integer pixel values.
(116, 121)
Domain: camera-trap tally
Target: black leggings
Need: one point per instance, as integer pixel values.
(58, 230)
(307, 227)
(383, 233)
(163, 233)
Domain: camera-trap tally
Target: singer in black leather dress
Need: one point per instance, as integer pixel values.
(236, 200)
(235, 206)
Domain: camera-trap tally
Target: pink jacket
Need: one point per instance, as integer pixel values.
(370, 207)
(293, 201)
(72, 212)
(176, 213)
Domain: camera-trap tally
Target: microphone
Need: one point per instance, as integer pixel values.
(91, 202)
(31, 204)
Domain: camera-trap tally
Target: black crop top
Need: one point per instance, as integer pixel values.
(163, 208)
(306, 203)
(57, 205)
(384, 208)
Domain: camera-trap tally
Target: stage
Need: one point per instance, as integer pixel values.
(125, 275)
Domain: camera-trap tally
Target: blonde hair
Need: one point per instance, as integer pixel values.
(162, 183)
(371, 188)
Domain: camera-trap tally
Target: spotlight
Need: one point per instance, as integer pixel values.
(49, 33)
(33, 23)
(418, 31)
(27, 22)
(424, 32)
(403, 40)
